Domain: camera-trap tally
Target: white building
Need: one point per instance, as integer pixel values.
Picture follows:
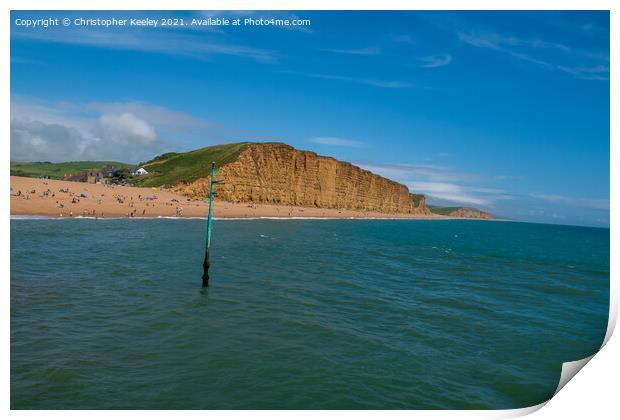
(140, 171)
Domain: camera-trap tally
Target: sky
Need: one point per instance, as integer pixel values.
(503, 111)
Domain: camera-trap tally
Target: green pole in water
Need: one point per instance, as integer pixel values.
(205, 264)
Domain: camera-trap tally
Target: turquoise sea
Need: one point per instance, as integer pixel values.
(313, 314)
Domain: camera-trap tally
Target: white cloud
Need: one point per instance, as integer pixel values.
(449, 192)
(337, 141)
(441, 185)
(433, 61)
(57, 132)
(410, 172)
(38, 141)
(162, 115)
(125, 138)
(127, 124)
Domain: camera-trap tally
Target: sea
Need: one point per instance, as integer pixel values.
(300, 314)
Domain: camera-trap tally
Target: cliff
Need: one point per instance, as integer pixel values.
(468, 213)
(277, 173)
(461, 212)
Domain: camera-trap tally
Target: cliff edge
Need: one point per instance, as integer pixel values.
(461, 212)
(276, 173)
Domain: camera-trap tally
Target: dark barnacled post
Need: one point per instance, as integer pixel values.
(205, 264)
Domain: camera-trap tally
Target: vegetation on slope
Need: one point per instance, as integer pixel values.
(175, 168)
(417, 198)
(467, 212)
(444, 211)
(58, 170)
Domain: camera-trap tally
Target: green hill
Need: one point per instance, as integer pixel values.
(462, 212)
(58, 170)
(174, 168)
(444, 211)
(164, 170)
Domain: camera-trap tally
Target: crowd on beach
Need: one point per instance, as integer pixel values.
(119, 201)
(56, 198)
(136, 205)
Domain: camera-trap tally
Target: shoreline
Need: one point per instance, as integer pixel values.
(42, 217)
(47, 198)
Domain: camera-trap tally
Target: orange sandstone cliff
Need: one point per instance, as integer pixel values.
(277, 173)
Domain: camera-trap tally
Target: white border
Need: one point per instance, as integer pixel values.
(595, 384)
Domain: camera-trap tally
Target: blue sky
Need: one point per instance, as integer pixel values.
(504, 111)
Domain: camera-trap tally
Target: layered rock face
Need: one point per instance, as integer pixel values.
(276, 173)
(468, 213)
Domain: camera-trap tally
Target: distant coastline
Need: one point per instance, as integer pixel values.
(259, 180)
(66, 199)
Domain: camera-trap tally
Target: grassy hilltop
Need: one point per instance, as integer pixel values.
(174, 168)
(444, 211)
(58, 170)
(463, 212)
(168, 169)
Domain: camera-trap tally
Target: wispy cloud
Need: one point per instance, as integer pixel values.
(581, 202)
(599, 72)
(354, 51)
(450, 192)
(499, 42)
(409, 172)
(528, 50)
(395, 84)
(441, 185)
(180, 44)
(388, 84)
(337, 141)
(433, 61)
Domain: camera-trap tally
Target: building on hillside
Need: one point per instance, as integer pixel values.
(108, 170)
(91, 176)
(79, 176)
(139, 171)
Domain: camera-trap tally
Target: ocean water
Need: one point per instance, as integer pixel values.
(312, 314)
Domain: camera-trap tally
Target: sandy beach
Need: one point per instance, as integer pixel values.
(46, 197)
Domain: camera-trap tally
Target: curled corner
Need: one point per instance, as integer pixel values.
(611, 323)
(519, 412)
(569, 370)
